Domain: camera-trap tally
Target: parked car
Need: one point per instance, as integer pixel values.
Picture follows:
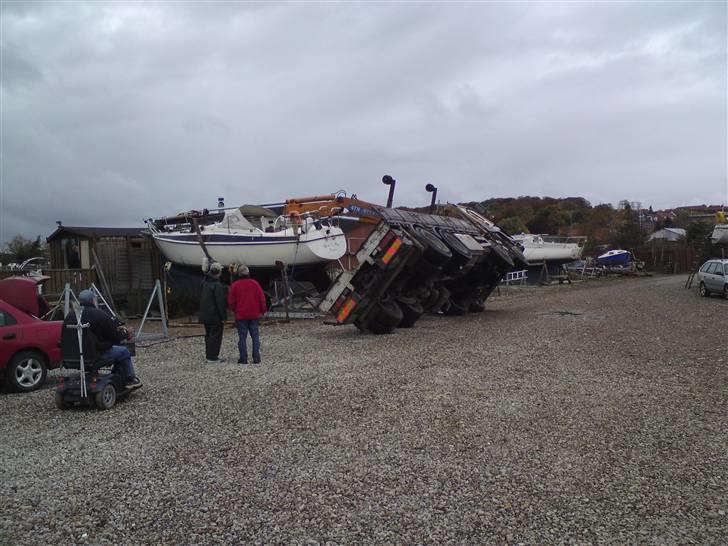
(713, 278)
(29, 347)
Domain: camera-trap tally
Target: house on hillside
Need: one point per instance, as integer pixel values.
(123, 260)
(667, 236)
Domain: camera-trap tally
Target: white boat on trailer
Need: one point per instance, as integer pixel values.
(719, 237)
(548, 248)
(252, 235)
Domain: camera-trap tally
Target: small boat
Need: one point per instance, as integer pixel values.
(615, 258)
(251, 235)
(548, 248)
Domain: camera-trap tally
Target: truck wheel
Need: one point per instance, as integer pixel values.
(411, 313)
(503, 256)
(477, 306)
(388, 313)
(436, 252)
(455, 308)
(61, 403)
(380, 329)
(460, 253)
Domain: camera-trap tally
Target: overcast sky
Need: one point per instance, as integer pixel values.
(114, 112)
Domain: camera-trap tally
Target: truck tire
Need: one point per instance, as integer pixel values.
(439, 297)
(454, 308)
(379, 329)
(503, 256)
(387, 312)
(411, 313)
(460, 253)
(436, 252)
(477, 306)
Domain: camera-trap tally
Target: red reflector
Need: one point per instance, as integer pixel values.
(392, 250)
(346, 310)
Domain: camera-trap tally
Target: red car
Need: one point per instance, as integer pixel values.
(29, 347)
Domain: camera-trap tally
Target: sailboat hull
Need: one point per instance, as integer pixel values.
(254, 251)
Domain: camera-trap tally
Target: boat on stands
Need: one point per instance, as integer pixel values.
(255, 236)
(719, 237)
(550, 249)
(615, 258)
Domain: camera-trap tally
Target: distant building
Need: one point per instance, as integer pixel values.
(667, 235)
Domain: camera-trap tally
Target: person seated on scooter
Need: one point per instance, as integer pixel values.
(108, 336)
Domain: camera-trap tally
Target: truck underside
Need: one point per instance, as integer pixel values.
(414, 263)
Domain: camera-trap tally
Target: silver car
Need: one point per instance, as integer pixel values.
(713, 278)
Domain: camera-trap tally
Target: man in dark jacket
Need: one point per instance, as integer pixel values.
(108, 336)
(247, 301)
(213, 312)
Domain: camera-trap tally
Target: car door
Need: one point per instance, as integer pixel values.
(715, 277)
(718, 278)
(11, 335)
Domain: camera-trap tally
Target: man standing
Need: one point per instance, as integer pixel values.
(108, 337)
(247, 301)
(213, 312)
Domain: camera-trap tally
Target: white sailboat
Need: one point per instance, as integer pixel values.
(249, 235)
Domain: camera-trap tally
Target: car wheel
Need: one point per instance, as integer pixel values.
(61, 403)
(106, 397)
(725, 291)
(27, 371)
(703, 290)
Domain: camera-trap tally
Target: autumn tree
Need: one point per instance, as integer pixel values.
(19, 249)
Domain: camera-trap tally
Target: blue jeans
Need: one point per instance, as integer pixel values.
(245, 326)
(121, 357)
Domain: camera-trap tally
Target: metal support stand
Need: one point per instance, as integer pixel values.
(79, 327)
(162, 311)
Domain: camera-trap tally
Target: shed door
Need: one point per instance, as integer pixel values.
(85, 255)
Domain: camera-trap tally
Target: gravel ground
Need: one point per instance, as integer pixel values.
(592, 413)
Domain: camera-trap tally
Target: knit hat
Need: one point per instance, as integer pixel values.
(86, 297)
(215, 269)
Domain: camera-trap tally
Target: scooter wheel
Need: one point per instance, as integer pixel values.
(106, 398)
(61, 403)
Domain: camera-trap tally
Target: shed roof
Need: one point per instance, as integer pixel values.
(97, 232)
(670, 234)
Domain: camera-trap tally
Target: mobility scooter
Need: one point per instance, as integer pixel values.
(91, 386)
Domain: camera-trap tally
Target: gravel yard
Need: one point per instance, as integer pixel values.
(591, 413)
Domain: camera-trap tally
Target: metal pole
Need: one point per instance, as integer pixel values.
(162, 308)
(391, 182)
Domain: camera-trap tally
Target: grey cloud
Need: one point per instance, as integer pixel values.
(129, 110)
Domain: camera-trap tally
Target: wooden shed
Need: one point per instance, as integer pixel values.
(127, 258)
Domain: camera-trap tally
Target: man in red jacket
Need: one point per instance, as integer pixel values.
(247, 301)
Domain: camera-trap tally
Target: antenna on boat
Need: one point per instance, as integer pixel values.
(391, 182)
(433, 190)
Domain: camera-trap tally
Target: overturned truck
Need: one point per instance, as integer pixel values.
(413, 263)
